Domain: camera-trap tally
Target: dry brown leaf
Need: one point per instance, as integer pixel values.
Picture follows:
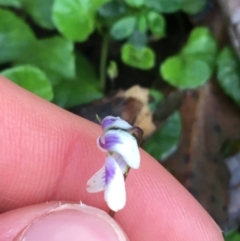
(131, 105)
(208, 121)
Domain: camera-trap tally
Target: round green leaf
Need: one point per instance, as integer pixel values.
(32, 79)
(11, 3)
(164, 6)
(75, 19)
(195, 63)
(53, 55)
(40, 11)
(166, 139)
(193, 7)
(183, 72)
(228, 74)
(138, 39)
(123, 28)
(15, 37)
(156, 23)
(141, 58)
(201, 44)
(112, 9)
(135, 3)
(200, 40)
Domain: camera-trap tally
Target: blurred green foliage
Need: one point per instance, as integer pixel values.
(32, 79)
(228, 74)
(194, 65)
(54, 69)
(232, 236)
(142, 58)
(134, 22)
(166, 139)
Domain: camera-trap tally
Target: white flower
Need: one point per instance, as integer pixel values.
(123, 143)
(123, 153)
(110, 179)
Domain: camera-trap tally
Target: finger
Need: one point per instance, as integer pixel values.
(49, 154)
(56, 221)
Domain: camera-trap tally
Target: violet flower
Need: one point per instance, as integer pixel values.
(122, 152)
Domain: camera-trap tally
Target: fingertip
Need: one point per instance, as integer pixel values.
(160, 207)
(57, 221)
(51, 154)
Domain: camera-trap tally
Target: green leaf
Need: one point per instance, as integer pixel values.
(164, 6)
(83, 89)
(85, 71)
(15, 36)
(112, 9)
(200, 40)
(156, 23)
(75, 19)
(123, 28)
(201, 44)
(135, 3)
(194, 65)
(32, 79)
(71, 93)
(40, 11)
(141, 58)
(142, 23)
(233, 235)
(193, 7)
(138, 39)
(112, 70)
(185, 72)
(228, 74)
(54, 56)
(166, 139)
(10, 3)
(155, 98)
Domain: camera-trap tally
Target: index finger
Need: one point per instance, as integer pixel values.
(48, 154)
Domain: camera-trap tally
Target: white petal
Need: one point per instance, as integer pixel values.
(111, 122)
(126, 146)
(120, 161)
(97, 182)
(115, 193)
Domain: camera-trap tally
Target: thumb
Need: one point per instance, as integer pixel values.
(57, 221)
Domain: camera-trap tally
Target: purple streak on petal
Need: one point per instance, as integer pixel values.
(114, 122)
(100, 143)
(107, 122)
(111, 139)
(109, 169)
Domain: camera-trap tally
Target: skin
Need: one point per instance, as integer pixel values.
(48, 154)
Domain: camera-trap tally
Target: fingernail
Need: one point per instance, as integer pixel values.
(73, 222)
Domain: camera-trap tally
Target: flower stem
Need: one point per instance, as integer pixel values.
(126, 173)
(111, 213)
(103, 61)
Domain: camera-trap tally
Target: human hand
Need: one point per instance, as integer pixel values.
(48, 154)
